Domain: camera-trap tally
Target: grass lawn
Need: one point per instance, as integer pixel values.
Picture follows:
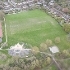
(34, 27)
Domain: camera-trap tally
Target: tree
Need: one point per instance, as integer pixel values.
(37, 68)
(57, 40)
(57, 0)
(67, 27)
(33, 64)
(66, 53)
(1, 66)
(37, 62)
(17, 1)
(6, 67)
(43, 47)
(68, 37)
(14, 61)
(48, 60)
(48, 42)
(2, 15)
(35, 50)
(62, 22)
(1, 7)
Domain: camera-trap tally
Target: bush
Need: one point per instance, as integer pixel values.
(3, 57)
(48, 60)
(48, 42)
(57, 40)
(2, 15)
(35, 50)
(66, 53)
(66, 27)
(43, 47)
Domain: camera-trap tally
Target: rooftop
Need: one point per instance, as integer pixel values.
(19, 50)
(54, 49)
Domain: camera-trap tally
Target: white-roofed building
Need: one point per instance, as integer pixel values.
(54, 49)
(17, 46)
(19, 50)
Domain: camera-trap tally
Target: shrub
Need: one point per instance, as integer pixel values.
(2, 15)
(48, 42)
(66, 53)
(66, 27)
(35, 50)
(48, 60)
(43, 47)
(57, 40)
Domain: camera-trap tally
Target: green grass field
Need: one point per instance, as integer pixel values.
(34, 27)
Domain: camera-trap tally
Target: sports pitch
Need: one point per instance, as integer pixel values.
(34, 27)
